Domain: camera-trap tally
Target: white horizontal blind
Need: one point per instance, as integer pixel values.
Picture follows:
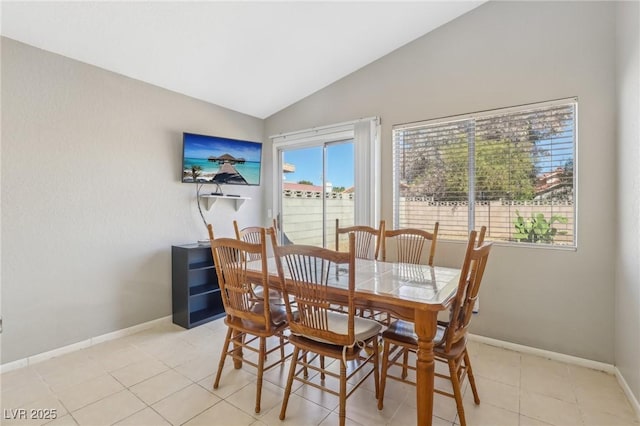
(432, 173)
(488, 169)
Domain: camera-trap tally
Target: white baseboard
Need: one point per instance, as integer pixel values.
(627, 391)
(13, 365)
(582, 362)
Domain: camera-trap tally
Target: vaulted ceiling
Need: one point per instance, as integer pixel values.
(253, 57)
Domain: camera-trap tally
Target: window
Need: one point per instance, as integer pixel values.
(511, 170)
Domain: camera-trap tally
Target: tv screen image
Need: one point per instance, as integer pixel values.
(218, 160)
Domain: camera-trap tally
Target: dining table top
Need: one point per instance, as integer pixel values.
(431, 287)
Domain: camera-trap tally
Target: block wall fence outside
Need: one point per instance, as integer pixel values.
(302, 217)
(496, 215)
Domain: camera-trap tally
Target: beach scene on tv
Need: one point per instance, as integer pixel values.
(211, 159)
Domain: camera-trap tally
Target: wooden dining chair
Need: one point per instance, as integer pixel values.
(368, 239)
(442, 323)
(472, 268)
(409, 243)
(248, 319)
(251, 234)
(276, 228)
(311, 275)
(450, 342)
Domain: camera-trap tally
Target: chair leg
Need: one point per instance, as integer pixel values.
(261, 358)
(376, 361)
(343, 392)
(287, 390)
(472, 380)
(322, 375)
(223, 356)
(237, 349)
(281, 346)
(457, 393)
(383, 377)
(405, 362)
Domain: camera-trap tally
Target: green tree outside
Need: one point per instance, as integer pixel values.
(503, 170)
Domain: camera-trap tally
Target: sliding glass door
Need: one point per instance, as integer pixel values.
(316, 187)
(326, 173)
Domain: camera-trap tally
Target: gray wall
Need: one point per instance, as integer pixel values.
(92, 199)
(503, 54)
(627, 295)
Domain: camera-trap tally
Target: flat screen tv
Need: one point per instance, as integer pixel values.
(221, 161)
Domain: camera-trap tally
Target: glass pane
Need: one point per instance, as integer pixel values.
(340, 192)
(301, 216)
(524, 175)
(432, 178)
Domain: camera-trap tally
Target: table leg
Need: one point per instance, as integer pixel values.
(425, 327)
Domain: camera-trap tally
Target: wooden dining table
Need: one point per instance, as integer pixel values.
(411, 292)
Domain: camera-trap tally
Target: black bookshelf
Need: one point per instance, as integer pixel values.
(196, 297)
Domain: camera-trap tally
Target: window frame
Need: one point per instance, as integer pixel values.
(471, 197)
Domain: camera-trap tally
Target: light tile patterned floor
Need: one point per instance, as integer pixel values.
(164, 376)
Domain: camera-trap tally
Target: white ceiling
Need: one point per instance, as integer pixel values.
(253, 57)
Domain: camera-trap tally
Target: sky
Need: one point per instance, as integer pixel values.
(308, 163)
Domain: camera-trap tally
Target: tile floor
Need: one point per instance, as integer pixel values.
(164, 376)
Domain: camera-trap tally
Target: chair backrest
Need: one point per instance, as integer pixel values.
(230, 257)
(473, 266)
(275, 227)
(483, 231)
(250, 234)
(308, 272)
(368, 239)
(409, 243)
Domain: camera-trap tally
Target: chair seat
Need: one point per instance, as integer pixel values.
(278, 319)
(274, 295)
(326, 349)
(404, 333)
(363, 328)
